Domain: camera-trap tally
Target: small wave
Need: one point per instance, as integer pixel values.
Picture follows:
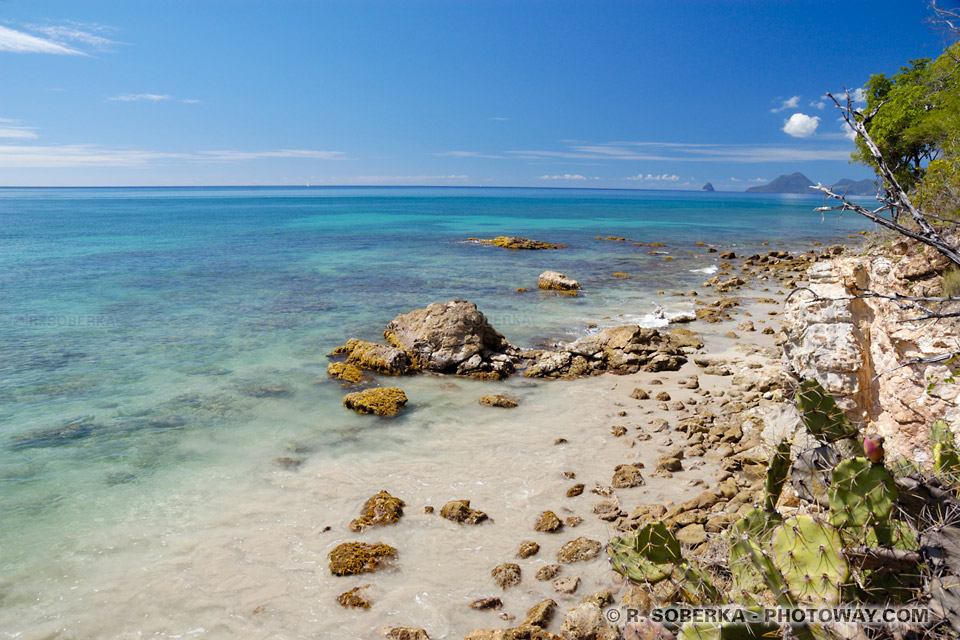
(707, 270)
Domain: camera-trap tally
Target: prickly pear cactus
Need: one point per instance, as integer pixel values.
(757, 525)
(809, 556)
(862, 494)
(940, 433)
(821, 415)
(654, 555)
(777, 470)
(626, 561)
(655, 542)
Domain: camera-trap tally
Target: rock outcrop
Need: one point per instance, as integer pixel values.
(846, 343)
(556, 281)
(453, 337)
(516, 242)
(623, 349)
(376, 357)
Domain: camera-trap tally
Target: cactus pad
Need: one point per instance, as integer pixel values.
(810, 558)
(777, 470)
(626, 561)
(940, 433)
(861, 494)
(655, 542)
(820, 413)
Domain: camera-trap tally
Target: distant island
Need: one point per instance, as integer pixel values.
(799, 183)
(707, 187)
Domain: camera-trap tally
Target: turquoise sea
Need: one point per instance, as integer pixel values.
(159, 347)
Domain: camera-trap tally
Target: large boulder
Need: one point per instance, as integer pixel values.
(453, 337)
(623, 349)
(558, 282)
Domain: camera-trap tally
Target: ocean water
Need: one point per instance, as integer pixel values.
(159, 348)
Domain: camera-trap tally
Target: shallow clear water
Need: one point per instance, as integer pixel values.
(139, 326)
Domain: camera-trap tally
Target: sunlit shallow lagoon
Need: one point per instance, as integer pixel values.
(160, 348)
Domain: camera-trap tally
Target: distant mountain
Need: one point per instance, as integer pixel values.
(850, 187)
(793, 183)
(707, 187)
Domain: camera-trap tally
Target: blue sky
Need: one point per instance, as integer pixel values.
(640, 94)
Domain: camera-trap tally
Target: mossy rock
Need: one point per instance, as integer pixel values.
(515, 242)
(356, 598)
(382, 401)
(578, 550)
(373, 356)
(354, 558)
(501, 401)
(345, 372)
(379, 509)
(460, 511)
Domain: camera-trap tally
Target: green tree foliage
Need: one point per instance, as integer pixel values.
(916, 125)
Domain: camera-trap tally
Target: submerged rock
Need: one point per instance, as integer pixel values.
(548, 522)
(506, 575)
(515, 242)
(356, 598)
(376, 357)
(548, 572)
(353, 558)
(540, 614)
(268, 391)
(406, 633)
(453, 337)
(345, 371)
(504, 402)
(580, 549)
(486, 603)
(382, 401)
(460, 511)
(528, 549)
(379, 509)
(556, 281)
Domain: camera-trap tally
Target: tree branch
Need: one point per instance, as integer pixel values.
(896, 199)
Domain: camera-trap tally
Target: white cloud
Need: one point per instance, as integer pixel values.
(819, 105)
(847, 130)
(19, 42)
(859, 95)
(686, 152)
(151, 97)
(233, 156)
(77, 32)
(500, 119)
(23, 133)
(138, 97)
(801, 126)
(789, 103)
(88, 155)
(663, 177)
(465, 154)
(566, 176)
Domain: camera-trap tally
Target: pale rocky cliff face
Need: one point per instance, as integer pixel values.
(844, 344)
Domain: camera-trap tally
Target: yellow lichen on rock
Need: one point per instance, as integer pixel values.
(353, 558)
(514, 242)
(496, 400)
(376, 357)
(379, 509)
(382, 401)
(345, 371)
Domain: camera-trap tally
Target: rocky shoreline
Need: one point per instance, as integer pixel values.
(694, 415)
